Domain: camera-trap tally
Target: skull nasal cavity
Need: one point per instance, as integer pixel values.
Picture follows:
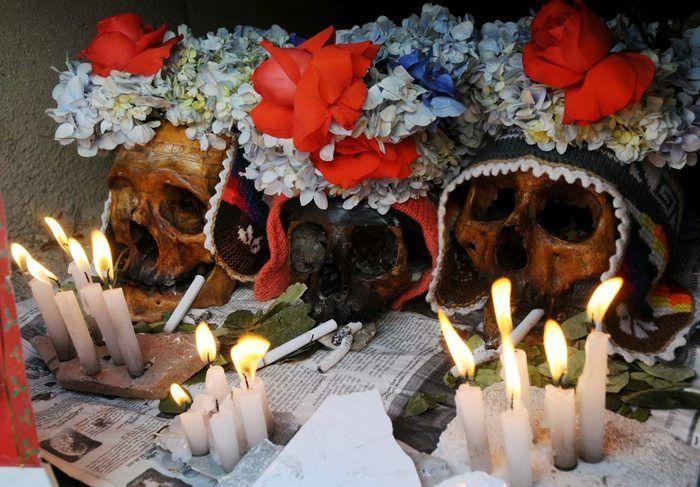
(511, 254)
(145, 243)
(330, 280)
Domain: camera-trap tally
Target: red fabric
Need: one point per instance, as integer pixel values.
(569, 49)
(19, 445)
(273, 279)
(305, 88)
(124, 43)
(357, 159)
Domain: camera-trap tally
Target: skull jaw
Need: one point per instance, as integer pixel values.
(150, 304)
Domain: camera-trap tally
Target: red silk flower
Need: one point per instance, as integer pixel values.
(304, 89)
(357, 159)
(124, 43)
(570, 49)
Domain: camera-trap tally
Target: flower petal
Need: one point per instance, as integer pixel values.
(273, 82)
(347, 110)
(540, 70)
(319, 40)
(150, 61)
(111, 49)
(151, 39)
(334, 67)
(128, 24)
(311, 118)
(273, 119)
(292, 61)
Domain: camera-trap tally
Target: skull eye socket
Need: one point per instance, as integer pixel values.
(307, 248)
(570, 213)
(374, 250)
(182, 209)
(493, 199)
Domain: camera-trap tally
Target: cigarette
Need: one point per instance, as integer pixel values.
(336, 355)
(296, 343)
(184, 305)
(483, 354)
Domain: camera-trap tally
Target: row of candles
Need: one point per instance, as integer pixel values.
(223, 420)
(72, 322)
(517, 421)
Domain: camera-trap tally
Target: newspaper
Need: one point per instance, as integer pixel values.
(110, 441)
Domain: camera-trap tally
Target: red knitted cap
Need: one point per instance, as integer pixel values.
(273, 279)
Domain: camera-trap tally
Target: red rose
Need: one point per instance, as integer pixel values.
(570, 49)
(357, 159)
(125, 43)
(304, 89)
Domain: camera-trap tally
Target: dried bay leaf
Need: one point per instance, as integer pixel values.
(671, 373)
(486, 377)
(474, 342)
(421, 402)
(576, 327)
(671, 398)
(617, 382)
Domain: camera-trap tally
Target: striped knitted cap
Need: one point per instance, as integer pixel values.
(653, 313)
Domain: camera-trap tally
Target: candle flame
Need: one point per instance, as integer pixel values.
(79, 256)
(102, 256)
(20, 255)
(510, 368)
(601, 299)
(40, 272)
(463, 357)
(58, 233)
(500, 295)
(179, 395)
(206, 344)
(555, 349)
(246, 354)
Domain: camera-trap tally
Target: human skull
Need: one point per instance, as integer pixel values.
(355, 262)
(159, 196)
(547, 236)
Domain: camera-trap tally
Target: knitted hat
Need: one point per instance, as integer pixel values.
(654, 313)
(274, 277)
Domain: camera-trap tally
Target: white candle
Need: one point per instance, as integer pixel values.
(77, 329)
(259, 385)
(560, 411)
(79, 277)
(468, 400)
(525, 392)
(94, 302)
(238, 427)
(184, 305)
(590, 393)
(470, 408)
(126, 337)
(251, 406)
(516, 440)
(55, 326)
(590, 389)
(250, 397)
(195, 427)
(222, 426)
(559, 403)
(216, 384)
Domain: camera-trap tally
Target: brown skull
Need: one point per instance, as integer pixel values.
(354, 262)
(160, 194)
(547, 236)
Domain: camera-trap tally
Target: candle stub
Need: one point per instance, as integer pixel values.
(53, 321)
(77, 328)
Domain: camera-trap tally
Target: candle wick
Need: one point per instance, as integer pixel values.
(245, 378)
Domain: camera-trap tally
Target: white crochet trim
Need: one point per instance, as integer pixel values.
(538, 169)
(104, 218)
(210, 215)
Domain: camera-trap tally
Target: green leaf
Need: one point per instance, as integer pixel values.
(535, 376)
(239, 319)
(640, 414)
(421, 402)
(576, 327)
(624, 410)
(286, 324)
(671, 373)
(453, 382)
(574, 368)
(291, 295)
(475, 341)
(616, 367)
(671, 398)
(168, 404)
(613, 402)
(544, 370)
(486, 377)
(618, 382)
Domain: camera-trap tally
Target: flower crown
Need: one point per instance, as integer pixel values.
(367, 113)
(135, 76)
(566, 78)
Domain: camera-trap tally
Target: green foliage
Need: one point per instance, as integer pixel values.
(421, 402)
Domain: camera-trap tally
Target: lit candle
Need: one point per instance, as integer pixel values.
(222, 426)
(79, 268)
(58, 233)
(468, 399)
(591, 385)
(500, 294)
(215, 383)
(250, 397)
(42, 291)
(78, 330)
(116, 306)
(193, 422)
(515, 422)
(238, 427)
(560, 403)
(94, 302)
